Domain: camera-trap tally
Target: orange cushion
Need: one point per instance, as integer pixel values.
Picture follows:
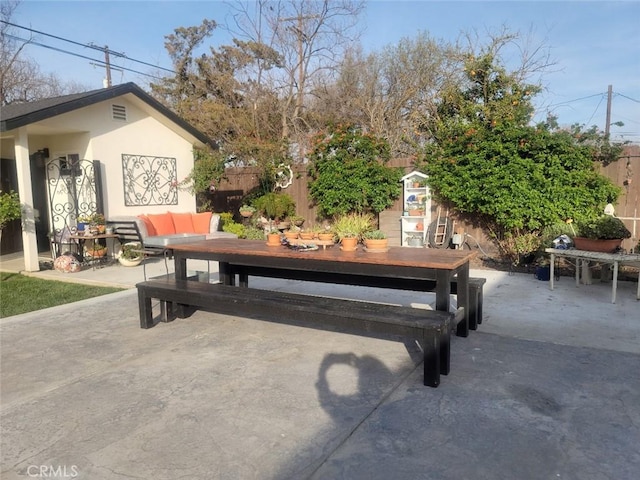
(182, 222)
(201, 222)
(163, 223)
(151, 231)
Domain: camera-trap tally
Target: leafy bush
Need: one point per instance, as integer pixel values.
(487, 161)
(605, 227)
(276, 206)
(253, 233)
(348, 173)
(235, 228)
(9, 208)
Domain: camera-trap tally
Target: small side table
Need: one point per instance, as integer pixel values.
(81, 239)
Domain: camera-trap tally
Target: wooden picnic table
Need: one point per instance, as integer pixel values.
(398, 266)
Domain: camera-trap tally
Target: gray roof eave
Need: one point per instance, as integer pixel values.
(26, 116)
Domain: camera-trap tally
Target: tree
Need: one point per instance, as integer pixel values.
(486, 160)
(349, 173)
(20, 78)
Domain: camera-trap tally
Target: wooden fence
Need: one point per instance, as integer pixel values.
(241, 181)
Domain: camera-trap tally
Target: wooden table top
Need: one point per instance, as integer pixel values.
(444, 259)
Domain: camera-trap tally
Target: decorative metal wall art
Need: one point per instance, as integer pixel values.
(149, 180)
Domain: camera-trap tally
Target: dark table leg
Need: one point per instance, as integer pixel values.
(226, 274)
(463, 300)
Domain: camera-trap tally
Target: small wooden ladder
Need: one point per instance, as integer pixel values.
(440, 233)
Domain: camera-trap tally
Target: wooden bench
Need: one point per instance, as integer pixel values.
(476, 284)
(431, 329)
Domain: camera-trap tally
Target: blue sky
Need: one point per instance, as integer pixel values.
(594, 44)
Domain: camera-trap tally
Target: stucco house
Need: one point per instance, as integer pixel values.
(115, 151)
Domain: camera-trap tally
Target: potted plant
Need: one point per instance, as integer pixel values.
(375, 241)
(276, 207)
(247, 210)
(292, 234)
(98, 220)
(307, 235)
(350, 227)
(95, 251)
(131, 254)
(326, 235)
(273, 238)
(83, 221)
(296, 220)
(604, 234)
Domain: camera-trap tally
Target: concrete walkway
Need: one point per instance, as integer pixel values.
(547, 388)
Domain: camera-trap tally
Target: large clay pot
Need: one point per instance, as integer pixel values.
(593, 245)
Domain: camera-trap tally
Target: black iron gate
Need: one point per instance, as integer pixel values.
(75, 189)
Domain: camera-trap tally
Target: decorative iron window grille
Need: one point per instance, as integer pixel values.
(149, 180)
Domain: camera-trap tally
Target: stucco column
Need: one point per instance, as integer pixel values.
(23, 167)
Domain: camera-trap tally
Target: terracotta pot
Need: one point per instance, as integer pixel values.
(593, 245)
(376, 244)
(273, 240)
(307, 235)
(291, 235)
(416, 213)
(96, 253)
(349, 244)
(246, 213)
(326, 237)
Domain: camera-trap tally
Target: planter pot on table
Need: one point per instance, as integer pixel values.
(593, 245)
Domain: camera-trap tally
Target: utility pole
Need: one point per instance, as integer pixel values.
(607, 125)
(107, 65)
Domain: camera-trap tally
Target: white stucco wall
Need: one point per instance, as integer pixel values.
(99, 137)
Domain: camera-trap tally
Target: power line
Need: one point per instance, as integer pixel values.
(88, 45)
(100, 62)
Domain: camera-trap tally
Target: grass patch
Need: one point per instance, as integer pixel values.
(22, 294)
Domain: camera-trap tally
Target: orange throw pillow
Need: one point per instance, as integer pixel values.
(182, 222)
(163, 223)
(201, 222)
(151, 230)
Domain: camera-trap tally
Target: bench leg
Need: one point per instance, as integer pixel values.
(432, 359)
(146, 312)
(479, 306)
(473, 308)
(168, 311)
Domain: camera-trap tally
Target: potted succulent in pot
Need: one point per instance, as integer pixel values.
(130, 254)
(375, 241)
(604, 234)
(246, 210)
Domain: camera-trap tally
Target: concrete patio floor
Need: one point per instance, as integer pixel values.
(548, 387)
